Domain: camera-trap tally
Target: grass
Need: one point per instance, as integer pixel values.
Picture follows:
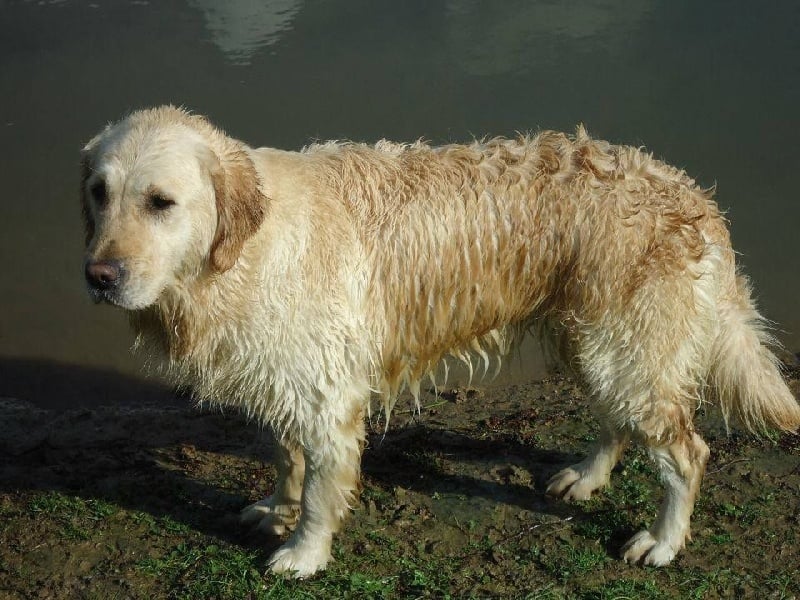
(160, 525)
(207, 571)
(575, 565)
(626, 589)
(568, 562)
(76, 518)
(59, 505)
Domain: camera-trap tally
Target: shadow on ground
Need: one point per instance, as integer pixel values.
(102, 435)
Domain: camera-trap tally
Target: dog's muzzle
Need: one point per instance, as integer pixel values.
(103, 278)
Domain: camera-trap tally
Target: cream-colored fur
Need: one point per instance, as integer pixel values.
(295, 285)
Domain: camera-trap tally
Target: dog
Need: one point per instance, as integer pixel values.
(297, 286)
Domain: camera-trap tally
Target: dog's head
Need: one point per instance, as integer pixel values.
(166, 198)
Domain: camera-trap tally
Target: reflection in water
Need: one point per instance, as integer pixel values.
(489, 41)
(484, 37)
(240, 27)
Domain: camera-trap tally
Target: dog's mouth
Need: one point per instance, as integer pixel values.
(104, 296)
(120, 296)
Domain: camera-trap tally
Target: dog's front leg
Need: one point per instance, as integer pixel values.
(332, 471)
(277, 513)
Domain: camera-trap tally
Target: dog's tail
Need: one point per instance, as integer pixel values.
(746, 374)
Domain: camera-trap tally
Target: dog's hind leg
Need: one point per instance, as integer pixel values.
(330, 488)
(653, 392)
(682, 465)
(580, 480)
(280, 511)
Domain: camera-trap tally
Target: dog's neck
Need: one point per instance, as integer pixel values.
(174, 327)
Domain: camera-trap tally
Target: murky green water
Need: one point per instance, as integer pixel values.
(711, 86)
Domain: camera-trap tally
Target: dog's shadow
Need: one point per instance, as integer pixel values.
(422, 457)
(101, 435)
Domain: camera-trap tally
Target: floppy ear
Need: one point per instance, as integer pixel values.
(240, 207)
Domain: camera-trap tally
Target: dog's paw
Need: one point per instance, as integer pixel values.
(646, 548)
(571, 484)
(271, 517)
(300, 560)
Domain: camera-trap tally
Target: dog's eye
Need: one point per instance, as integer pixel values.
(160, 202)
(99, 195)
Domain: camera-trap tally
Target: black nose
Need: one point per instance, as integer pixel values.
(103, 274)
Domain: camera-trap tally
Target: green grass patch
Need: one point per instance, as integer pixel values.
(164, 525)
(744, 514)
(207, 571)
(566, 561)
(76, 516)
(626, 589)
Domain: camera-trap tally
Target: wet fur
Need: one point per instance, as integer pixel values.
(311, 281)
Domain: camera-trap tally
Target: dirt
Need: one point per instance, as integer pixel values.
(142, 502)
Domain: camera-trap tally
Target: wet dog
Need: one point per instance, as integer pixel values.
(298, 285)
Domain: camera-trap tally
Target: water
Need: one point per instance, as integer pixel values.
(710, 86)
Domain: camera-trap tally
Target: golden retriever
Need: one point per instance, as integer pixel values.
(296, 285)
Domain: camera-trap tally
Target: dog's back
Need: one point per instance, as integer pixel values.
(468, 244)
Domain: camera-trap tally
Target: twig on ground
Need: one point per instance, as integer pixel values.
(728, 464)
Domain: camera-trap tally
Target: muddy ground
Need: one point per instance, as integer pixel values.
(142, 502)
